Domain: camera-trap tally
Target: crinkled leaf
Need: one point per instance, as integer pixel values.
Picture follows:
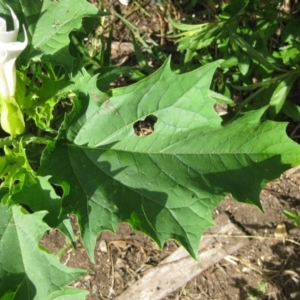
(165, 184)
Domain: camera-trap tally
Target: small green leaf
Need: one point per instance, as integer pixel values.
(244, 64)
(254, 54)
(292, 215)
(230, 62)
(261, 286)
(221, 99)
(291, 110)
(280, 93)
(69, 293)
(190, 29)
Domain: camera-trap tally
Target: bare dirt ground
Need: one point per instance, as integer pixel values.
(267, 268)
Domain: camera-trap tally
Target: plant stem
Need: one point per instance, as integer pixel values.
(9, 141)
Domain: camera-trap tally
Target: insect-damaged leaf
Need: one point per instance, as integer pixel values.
(166, 183)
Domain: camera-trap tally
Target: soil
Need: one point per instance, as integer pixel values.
(267, 268)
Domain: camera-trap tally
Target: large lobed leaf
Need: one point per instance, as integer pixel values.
(37, 193)
(165, 184)
(26, 270)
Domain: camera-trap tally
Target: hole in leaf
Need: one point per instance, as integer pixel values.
(27, 208)
(59, 191)
(145, 127)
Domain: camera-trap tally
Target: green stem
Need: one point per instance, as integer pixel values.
(36, 140)
(10, 141)
(7, 141)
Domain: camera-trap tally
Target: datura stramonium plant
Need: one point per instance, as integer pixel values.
(11, 118)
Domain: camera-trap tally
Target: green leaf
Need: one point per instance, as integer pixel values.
(191, 29)
(290, 55)
(244, 64)
(296, 44)
(235, 7)
(254, 54)
(280, 93)
(291, 110)
(197, 36)
(230, 62)
(69, 293)
(38, 194)
(292, 215)
(165, 184)
(22, 186)
(221, 99)
(47, 29)
(26, 271)
(79, 79)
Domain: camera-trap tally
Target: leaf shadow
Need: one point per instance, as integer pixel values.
(101, 198)
(245, 182)
(16, 285)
